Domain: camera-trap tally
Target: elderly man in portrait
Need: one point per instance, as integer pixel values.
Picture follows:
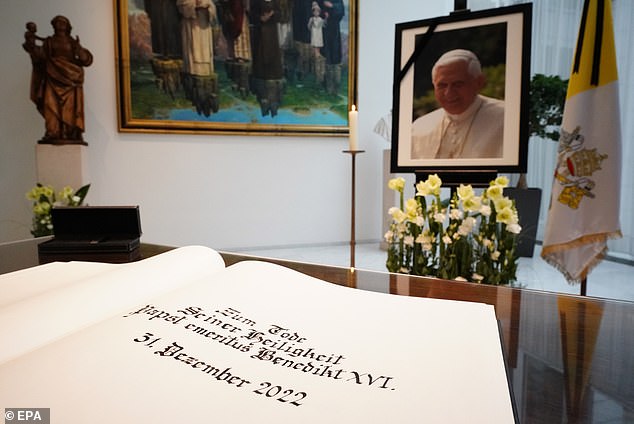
(468, 124)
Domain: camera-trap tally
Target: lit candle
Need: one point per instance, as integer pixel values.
(352, 123)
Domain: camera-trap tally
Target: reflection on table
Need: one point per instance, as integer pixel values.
(570, 359)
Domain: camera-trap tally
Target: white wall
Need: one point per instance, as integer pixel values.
(222, 191)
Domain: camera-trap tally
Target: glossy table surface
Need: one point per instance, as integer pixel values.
(570, 359)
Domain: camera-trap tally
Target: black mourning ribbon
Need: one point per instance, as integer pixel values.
(420, 46)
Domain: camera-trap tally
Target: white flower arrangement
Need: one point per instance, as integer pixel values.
(467, 238)
(44, 199)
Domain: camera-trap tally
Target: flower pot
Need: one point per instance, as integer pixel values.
(528, 203)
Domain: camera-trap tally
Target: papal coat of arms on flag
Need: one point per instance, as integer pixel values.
(575, 168)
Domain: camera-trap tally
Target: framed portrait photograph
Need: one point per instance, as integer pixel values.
(257, 67)
(461, 90)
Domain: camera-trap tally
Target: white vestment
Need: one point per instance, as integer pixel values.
(196, 33)
(478, 132)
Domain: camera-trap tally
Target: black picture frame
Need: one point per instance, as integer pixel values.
(501, 38)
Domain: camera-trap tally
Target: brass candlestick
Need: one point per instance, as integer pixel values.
(353, 154)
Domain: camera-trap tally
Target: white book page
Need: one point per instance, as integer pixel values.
(29, 282)
(262, 343)
(92, 295)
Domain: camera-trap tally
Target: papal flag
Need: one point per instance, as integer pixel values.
(584, 205)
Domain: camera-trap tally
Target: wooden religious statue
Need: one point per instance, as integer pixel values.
(57, 81)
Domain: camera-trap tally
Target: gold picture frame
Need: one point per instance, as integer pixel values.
(236, 66)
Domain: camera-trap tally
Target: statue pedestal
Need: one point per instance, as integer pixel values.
(61, 166)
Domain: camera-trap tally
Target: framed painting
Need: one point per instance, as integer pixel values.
(461, 93)
(258, 67)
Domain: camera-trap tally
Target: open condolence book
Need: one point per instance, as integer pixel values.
(180, 338)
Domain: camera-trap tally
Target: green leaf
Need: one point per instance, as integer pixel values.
(82, 192)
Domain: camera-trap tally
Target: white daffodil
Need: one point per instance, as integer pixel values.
(411, 209)
(473, 203)
(398, 215)
(456, 214)
(494, 192)
(467, 226)
(514, 228)
(435, 183)
(505, 216)
(424, 238)
(485, 210)
(502, 202)
(501, 181)
(422, 188)
(397, 184)
(465, 192)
